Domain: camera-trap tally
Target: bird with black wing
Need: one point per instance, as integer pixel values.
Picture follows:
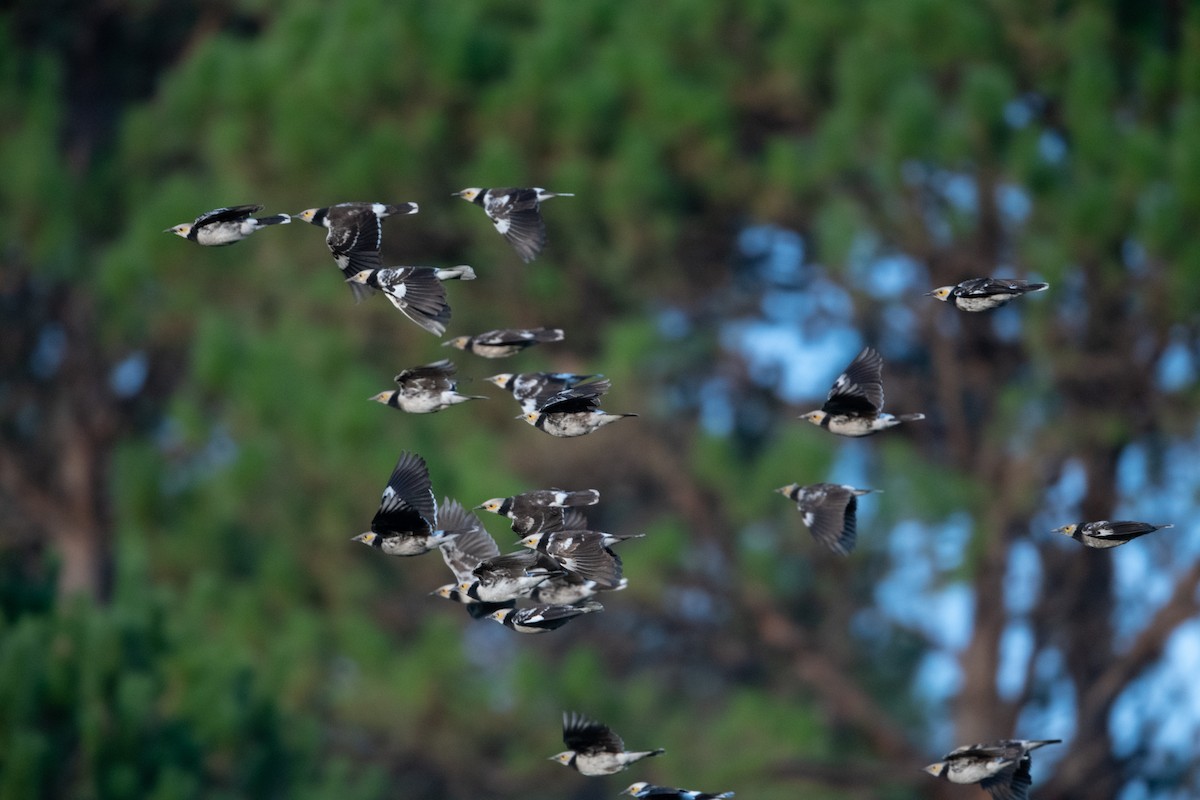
(223, 226)
(595, 749)
(585, 553)
(984, 294)
(426, 389)
(829, 512)
(355, 235)
(570, 588)
(541, 509)
(854, 406)
(542, 618)
(1105, 534)
(1000, 768)
(416, 291)
(532, 389)
(406, 522)
(504, 342)
(508, 577)
(469, 547)
(517, 215)
(574, 411)
(643, 789)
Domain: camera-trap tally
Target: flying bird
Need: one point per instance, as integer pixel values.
(405, 524)
(516, 214)
(1105, 534)
(223, 226)
(542, 618)
(425, 390)
(855, 403)
(643, 789)
(508, 577)
(984, 294)
(505, 342)
(573, 412)
(1000, 768)
(416, 291)
(470, 546)
(540, 510)
(594, 749)
(532, 389)
(355, 235)
(828, 509)
(587, 554)
(570, 588)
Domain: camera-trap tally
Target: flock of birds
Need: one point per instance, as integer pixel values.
(562, 564)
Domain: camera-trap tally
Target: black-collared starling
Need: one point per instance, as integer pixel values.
(406, 522)
(984, 294)
(542, 618)
(828, 509)
(509, 577)
(1001, 768)
(226, 225)
(1105, 534)
(594, 749)
(574, 412)
(416, 291)
(355, 235)
(532, 389)
(540, 510)
(504, 342)
(855, 403)
(571, 588)
(470, 546)
(587, 554)
(425, 389)
(643, 789)
(516, 214)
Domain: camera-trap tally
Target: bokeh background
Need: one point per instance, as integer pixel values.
(763, 187)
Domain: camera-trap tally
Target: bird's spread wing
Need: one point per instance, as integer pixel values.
(830, 514)
(436, 376)
(858, 390)
(470, 547)
(525, 231)
(583, 553)
(230, 214)
(515, 214)
(573, 520)
(354, 238)
(584, 735)
(1011, 783)
(408, 503)
(423, 299)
